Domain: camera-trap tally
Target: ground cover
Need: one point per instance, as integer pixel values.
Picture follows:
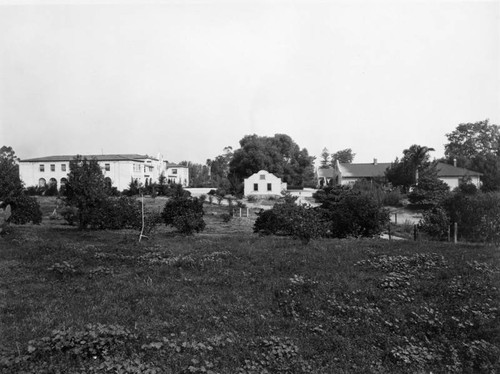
(229, 301)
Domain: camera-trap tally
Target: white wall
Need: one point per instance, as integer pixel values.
(262, 179)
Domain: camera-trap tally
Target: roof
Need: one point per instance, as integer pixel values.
(447, 170)
(171, 165)
(112, 157)
(325, 173)
(369, 170)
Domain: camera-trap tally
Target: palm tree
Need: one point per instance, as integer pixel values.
(416, 155)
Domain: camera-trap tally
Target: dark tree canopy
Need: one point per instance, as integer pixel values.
(415, 163)
(10, 183)
(279, 155)
(476, 146)
(344, 156)
(86, 188)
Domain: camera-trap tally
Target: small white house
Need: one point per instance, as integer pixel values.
(175, 173)
(263, 183)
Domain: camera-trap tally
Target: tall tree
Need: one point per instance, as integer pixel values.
(85, 188)
(10, 183)
(418, 157)
(344, 156)
(279, 155)
(414, 163)
(476, 146)
(325, 159)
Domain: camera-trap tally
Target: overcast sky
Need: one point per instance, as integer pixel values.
(188, 78)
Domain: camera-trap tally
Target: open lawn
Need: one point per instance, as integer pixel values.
(229, 301)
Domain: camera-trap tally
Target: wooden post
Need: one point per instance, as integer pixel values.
(240, 212)
(247, 212)
(455, 232)
(396, 218)
(389, 231)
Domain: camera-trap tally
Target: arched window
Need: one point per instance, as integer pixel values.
(53, 182)
(63, 181)
(42, 182)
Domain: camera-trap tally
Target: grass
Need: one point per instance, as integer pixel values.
(229, 301)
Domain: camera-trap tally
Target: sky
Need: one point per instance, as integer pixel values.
(188, 78)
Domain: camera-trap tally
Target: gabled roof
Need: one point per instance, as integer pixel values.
(112, 157)
(447, 170)
(325, 172)
(369, 170)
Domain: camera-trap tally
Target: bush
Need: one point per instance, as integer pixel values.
(351, 213)
(24, 209)
(116, 213)
(185, 214)
(435, 223)
(300, 222)
(392, 198)
(429, 193)
(477, 215)
(70, 214)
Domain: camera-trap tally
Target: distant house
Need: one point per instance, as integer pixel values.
(348, 174)
(176, 173)
(263, 183)
(118, 169)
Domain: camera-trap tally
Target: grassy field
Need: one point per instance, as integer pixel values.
(229, 301)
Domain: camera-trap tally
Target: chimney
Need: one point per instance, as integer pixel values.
(455, 162)
(375, 161)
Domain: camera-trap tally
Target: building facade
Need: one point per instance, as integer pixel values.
(263, 183)
(118, 169)
(348, 174)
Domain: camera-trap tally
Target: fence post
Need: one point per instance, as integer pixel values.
(247, 212)
(389, 231)
(396, 218)
(240, 212)
(455, 232)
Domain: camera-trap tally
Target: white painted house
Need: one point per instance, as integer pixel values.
(263, 183)
(176, 173)
(118, 169)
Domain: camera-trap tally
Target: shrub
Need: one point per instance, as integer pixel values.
(351, 213)
(392, 198)
(116, 213)
(300, 222)
(429, 193)
(70, 214)
(24, 209)
(435, 223)
(185, 214)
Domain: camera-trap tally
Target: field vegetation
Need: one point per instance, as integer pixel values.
(227, 300)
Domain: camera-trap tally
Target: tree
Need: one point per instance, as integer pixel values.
(344, 156)
(10, 183)
(279, 155)
(85, 188)
(476, 146)
(413, 165)
(325, 159)
(24, 208)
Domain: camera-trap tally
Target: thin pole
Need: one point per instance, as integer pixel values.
(455, 232)
(142, 211)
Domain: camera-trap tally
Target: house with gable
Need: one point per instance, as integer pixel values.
(263, 183)
(348, 173)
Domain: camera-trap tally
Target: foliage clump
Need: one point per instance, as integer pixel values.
(184, 213)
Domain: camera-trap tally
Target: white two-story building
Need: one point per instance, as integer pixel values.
(118, 169)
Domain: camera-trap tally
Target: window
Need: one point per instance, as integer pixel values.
(42, 168)
(137, 168)
(52, 167)
(263, 177)
(174, 171)
(255, 186)
(63, 167)
(269, 187)
(107, 167)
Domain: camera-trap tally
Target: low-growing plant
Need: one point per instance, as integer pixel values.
(185, 214)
